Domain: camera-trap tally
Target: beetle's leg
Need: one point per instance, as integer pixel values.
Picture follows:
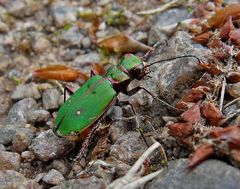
(92, 73)
(128, 103)
(69, 90)
(138, 88)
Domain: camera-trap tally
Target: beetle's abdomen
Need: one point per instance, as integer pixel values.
(85, 106)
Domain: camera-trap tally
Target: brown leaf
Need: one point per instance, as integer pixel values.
(234, 35)
(234, 77)
(234, 89)
(220, 16)
(98, 69)
(59, 72)
(203, 38)
(211, 68)
(181, 130)
(201, 10)
(229, 134)
(195, 94)
(93, 29)
(122, 43)
(211, 113)
(192, 115)
(202, 153)
(227, 28)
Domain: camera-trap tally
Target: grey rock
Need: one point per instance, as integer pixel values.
(38, 116)
(86, 42)
(41, 44)
(22, 140)
(86, 183)
(100, 169)
(29, 90)
(121, 167)
(47, 146)
(71, 37)
(62, 166)
(63, 14)
(5, 103)
(7, 134)
(9, 160)
(3, 27)
(53, 177)
(27, 156)
(11, 179)
(87, 58)
(2, 147)
(212, 174)
(19, 112)
(128, 148)
(51, 98)
(69, 54)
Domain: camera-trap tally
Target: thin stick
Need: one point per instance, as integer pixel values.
(232, 102)
(171, 4)
(222, 94)
(229, 117)
(142, 180)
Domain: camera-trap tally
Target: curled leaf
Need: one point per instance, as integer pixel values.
(211, 68)
(220, 16)
(60, 72)
(227, 28)
(122, 43)
(98, 69)
(234, 77)
(203, 38)
(212, 113)
(234, 35)
(202, 153)
(181, 130)
(192, 115)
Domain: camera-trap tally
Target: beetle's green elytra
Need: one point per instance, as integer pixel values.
(85, 106)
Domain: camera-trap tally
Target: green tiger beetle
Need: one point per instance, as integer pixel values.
(84, 109)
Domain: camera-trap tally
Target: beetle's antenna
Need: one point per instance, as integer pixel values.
(169, 59)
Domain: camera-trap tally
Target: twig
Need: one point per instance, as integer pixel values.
(232, 102)
(229, 117)
(132, 178)
(222, 94)
(171, 4)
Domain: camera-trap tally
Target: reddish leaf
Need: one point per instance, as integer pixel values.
(221, 15)
(93, 29)
(203, 38)
(203, 81)
(201, 10)
(229, 134)
(202, 153)
(122, 43)
(181, 130)
(234, 35)
(227, 28)
(211, 113)
(234, 77)
(194, 95)
(234, 89)
(193, 114)
(98, 69)
(60, 72)
(211, 68)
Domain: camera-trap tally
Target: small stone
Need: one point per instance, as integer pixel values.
(9, 160)
(121, 168)
(61, 165)
(71, 37)
(27, 156)
(128, 148)
(7, 134)
(5, 103)
(86, 42)
(11, 179)
(26, 91)
(2, 147)
(19, 112)
(53, 177)
(234, 89)
(87, 58)
(4, 28)
(47, 146)
(38, 116)
(50, 98)
(86, 183)
(41, 45)
(22, 140)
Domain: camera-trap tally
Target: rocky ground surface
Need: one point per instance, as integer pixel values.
(36, 34)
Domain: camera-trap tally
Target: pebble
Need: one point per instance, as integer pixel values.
(61, 165)
(7, 134)
(86, 43)
(53, 177)
(27, 156)
(51, 99)
(38, 116)
(41, 45)
(9, 160)
(71, 37)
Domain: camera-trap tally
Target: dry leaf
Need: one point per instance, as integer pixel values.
(226, 29)
(211, 113)
(192, 115)
(234, 77)
(234, 89)
(202, 153)
(211, 68)
(220, 17)
(180, 130)
(234, 35)
(60, 72)
(122, 43)
(98, 69)
(203, 38)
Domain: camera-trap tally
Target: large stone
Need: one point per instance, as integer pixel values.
(9, 160)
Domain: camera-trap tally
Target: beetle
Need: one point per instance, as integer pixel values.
(84, 109)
